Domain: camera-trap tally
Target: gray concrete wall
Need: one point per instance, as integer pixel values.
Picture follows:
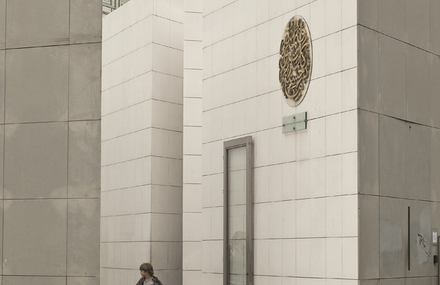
(142, 118)
(50, 54)
(399, 138)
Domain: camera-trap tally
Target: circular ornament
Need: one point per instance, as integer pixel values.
(295, 61)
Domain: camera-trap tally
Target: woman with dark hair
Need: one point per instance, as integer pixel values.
(148, 277)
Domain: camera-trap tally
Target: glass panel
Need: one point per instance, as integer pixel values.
(237, 215)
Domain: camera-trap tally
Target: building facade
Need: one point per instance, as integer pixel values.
(50, 114)
(352, 199)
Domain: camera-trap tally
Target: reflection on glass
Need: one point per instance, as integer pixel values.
(237, 215)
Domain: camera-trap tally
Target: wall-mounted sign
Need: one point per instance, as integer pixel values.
(294, 123)
(295, 60)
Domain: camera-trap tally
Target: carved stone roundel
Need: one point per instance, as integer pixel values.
(295, 61)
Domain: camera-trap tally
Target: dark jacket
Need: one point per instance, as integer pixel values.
(156, 281)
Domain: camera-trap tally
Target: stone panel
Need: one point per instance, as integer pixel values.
(2, 84)
(37, 84)
(36, 160)
(83, 281)
(422, 251)
(166, 199)
(2, 156)
(84, 159)
(35, 238)
(421, 281)
(391, 76)
(83, 239)
(368, 13)
(47, 23)
(399, 281)
(35, 280)
(369, 282)
(417, 163)
(368, 237)
(435, 90)
(393, 237)
(417, 23)
(85, 21)
(368, 69)
(392, 153)
(434, 18)
(435, 165)
(2, 23)
(405, 159)
(166, 228)
(418, 86)
(85, 82)
(392, 18)
(368, 152)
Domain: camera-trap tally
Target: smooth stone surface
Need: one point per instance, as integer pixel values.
(393, 237)
(85, 82)
(1, 235)
(368, 237)
(417, 23)
(83, 238)
(85, 21)
(36, 161)
(166, 256)
(2, 24)
(368, 282)
(84, 176)
(392, 18)
(368, 152)
(37, 84)
(2, 85)
(167, 199)
(368, 14)
(418, 85)
(30, 223)
(47, 23)
(368, 69)
(392, 153)
(435, 165)
(435, 90)
(83, 281)
(434, 21)
(421, 281)
(418, 162)
(2, 157)
(35, 280)
(422, 251)
(392, 77)
(166, 227)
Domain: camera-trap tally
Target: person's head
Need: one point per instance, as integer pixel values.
(146, 270)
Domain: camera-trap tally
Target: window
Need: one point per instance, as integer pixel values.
(238, 212)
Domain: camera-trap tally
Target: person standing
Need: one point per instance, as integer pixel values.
(148, 277)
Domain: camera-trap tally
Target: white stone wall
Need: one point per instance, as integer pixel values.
(305, 191)
(192, 142)
(141, 213)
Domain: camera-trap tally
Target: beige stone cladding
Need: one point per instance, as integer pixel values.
(50, 121)
(305, 187)
(192, 142)
(141, 213)
(398, 121)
